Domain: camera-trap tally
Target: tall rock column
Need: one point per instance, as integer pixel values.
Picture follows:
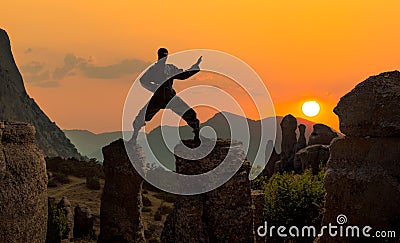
(23, 185)
(289, 141)
(362, 179)
(121, 202)
(221, 215)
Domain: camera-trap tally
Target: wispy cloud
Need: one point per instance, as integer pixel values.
(39, 74)
(74, 65)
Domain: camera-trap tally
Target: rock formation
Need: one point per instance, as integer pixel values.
(66, 207)
(23, 185)
(322, 134)
(312, 157)
(16, 105)
(301, 141)
(270, 166)
(121, 202)
(258, 198)
(362, 179)
(372, 107)
(83, 223)
(289, 140)
(221, 215)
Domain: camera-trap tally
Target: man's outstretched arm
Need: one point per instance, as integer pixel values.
(190, 72)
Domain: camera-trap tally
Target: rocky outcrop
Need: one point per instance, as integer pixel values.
(270, 166)
(258, 199)
(301, 141)
(66, 208)
(322, 134)
(372, 107)
(289, 140)
(16, 105)
(221, 215)
(314, 157)
(121, 202)
(23, 185)
(362, 178)
(59, 215)
(83, 223)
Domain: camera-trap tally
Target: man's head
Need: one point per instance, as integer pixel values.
(162, 52)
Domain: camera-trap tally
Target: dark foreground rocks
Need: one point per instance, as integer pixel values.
(23, 185)
(121, 202)
(362, 179)
(221, 215)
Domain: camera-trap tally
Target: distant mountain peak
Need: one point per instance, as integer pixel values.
(16, 105)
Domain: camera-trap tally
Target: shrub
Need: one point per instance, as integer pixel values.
(296, 200)
(145, 192)
(158, 216)
(258, 183)
(146, 209)
(146, 201)
(59, 221)
(93, 183)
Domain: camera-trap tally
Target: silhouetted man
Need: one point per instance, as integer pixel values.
(153, 80)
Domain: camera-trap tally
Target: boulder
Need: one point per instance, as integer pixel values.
(289, 141)
(313, 156)
(270, 166)
(221, 215)
(121, 202)
(66, 207)
(83, 223)
(372, 107)
(23, 185)
(301, 141)
(322, 134)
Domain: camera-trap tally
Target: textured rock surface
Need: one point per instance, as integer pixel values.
(221, 215)
(66, 207)
(313, 157)
(16, 105)
(258, 198)
(289, 140)
(83, 222)
(270, 167)
(23, 185)
(372, 107)
(121, 202)
(301, 141)
(362, 182)
(362, 178)
(322, 134)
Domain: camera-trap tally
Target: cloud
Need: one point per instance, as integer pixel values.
(70, 63)
(34, 78)
(74, 65)
(127, 66)
(33, 67)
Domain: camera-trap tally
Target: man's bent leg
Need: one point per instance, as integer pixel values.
(145, 114)
(180, 107)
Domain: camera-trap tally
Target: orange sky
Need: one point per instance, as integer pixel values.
(302, 50)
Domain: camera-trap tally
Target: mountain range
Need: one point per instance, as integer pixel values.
(90, 144)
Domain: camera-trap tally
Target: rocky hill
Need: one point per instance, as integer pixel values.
(16, 105)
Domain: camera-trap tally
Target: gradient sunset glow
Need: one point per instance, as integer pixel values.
(79, 59)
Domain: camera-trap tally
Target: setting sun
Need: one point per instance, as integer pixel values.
(310, 108)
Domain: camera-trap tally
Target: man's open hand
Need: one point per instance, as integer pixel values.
(199, 61)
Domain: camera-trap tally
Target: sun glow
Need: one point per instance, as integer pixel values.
(310, 108)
